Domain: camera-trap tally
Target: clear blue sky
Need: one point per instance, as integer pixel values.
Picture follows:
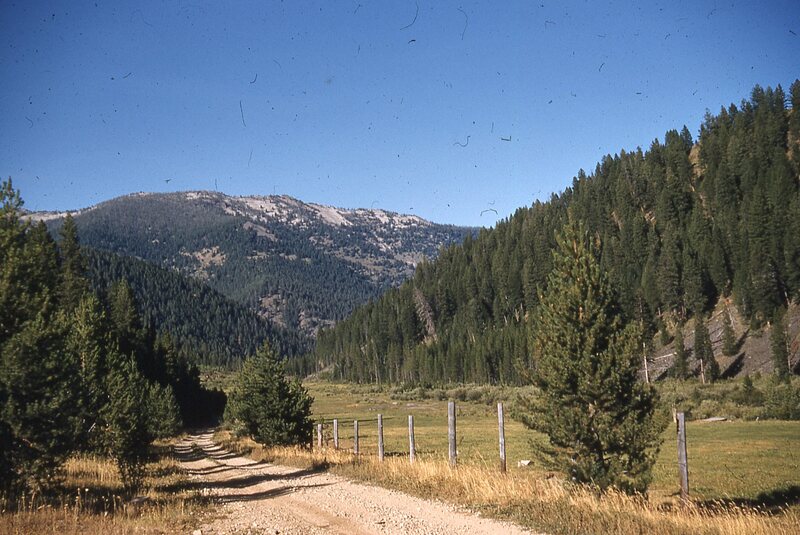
(351, 104)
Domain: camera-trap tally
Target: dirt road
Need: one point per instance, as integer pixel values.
(265, 498)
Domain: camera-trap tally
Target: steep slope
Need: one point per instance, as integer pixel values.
(302, 266)
(681, 226)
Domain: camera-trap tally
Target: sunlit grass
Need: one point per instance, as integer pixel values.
(91, 502)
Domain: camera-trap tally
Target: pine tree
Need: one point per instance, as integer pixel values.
(703, 350)
(73, 266)
(762, 267)
(695, 292)
(728, 336)
(126, 326)
(162, 411)
(779, 347)
(599, 417)
(794, 123)
(127, 424)
(669, 273)
(87, 342)
(792, 242)
(41, 391)
(681, 366)
(267, 406)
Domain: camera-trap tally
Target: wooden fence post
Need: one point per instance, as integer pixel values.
(355, 437)
(319, 436)
(502, 431)
(412, 450)
(380, 437)
(451, 432)
(683, 463)
(335, 434)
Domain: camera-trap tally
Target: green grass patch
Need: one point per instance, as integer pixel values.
(749, 462)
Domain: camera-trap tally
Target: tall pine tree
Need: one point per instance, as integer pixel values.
(73, 266)
(600, 418)
(681, 366)
(729, 345)
(779, 347)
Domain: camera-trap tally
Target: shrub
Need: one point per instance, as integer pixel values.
(783, 401)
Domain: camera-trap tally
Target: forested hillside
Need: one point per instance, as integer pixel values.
(80, 372)
(301, 266)
(205, 325)
(679, 226)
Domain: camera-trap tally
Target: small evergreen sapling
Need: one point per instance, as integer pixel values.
(264, 404)
(127, 424)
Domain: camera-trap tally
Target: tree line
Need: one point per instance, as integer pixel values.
(677, 226)
(215, 330)
(79, 371)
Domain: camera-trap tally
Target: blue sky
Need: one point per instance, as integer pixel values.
(398, 105)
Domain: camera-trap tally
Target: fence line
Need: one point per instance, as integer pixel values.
(683, 467)
(412, 449)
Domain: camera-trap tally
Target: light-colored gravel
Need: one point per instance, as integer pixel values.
(265, 498)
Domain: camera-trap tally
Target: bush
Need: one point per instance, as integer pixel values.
(748, 394)
(783, 401)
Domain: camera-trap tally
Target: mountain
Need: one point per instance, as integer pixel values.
(684, 228)
(301, 266)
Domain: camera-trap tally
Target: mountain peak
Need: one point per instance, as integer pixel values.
(291, 210)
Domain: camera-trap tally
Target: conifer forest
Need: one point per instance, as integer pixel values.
(680, 226)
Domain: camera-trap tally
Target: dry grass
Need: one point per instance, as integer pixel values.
(534, 499)
(91, 502)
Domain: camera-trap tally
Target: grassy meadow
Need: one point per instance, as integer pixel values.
(746, 461)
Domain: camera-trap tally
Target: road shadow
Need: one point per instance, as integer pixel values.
(266, 494)
(240, 482)
(217, 469)
(220, 456)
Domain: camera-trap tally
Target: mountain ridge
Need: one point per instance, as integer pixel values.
(301, 265)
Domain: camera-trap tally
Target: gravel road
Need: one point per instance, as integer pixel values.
(265, 498)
